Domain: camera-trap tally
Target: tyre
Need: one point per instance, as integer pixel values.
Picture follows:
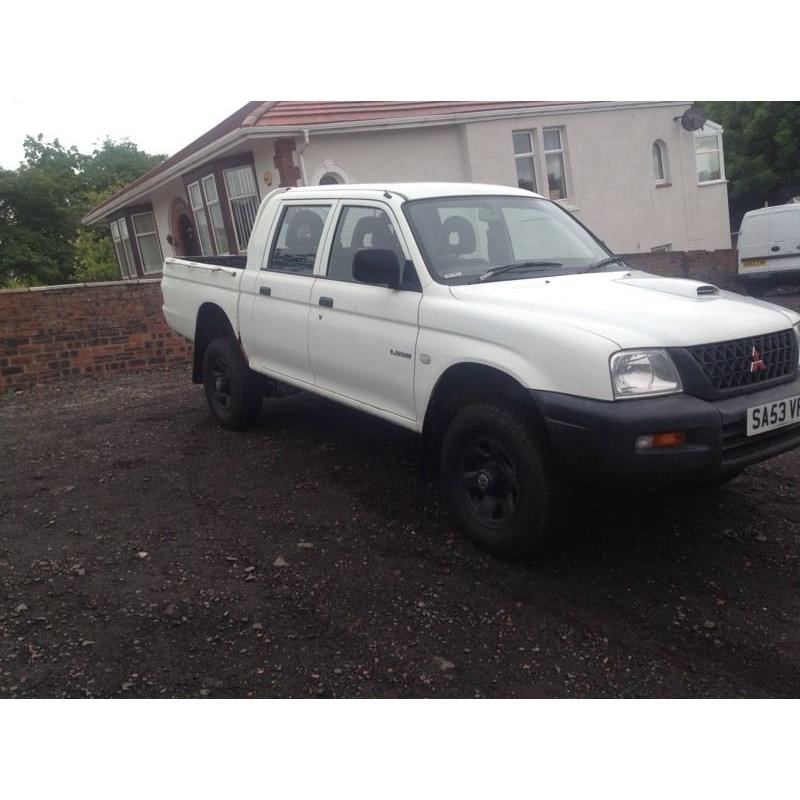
(499, 479)
(232, 389)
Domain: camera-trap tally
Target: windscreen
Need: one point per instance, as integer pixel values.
(462, 238)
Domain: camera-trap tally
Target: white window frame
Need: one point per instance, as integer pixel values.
(137, 236)
(562, 151)
(195, 209)
(663, 179)
(531, 155)
(242, 246)
(708, 130)
(127, 270)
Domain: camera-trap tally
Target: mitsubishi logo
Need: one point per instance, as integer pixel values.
(756, 362)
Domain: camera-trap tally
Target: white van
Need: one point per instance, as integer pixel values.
(769, 248)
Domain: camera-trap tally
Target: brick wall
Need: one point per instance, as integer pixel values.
(55, 332)
(715, 266)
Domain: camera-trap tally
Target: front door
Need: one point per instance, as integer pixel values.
(362, 338)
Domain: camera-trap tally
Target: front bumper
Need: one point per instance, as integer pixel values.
(596, 439)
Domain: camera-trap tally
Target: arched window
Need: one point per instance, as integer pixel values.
(329, 178)
(660, 168)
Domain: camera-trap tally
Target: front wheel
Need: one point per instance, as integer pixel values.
(232, 391)
(499, 480)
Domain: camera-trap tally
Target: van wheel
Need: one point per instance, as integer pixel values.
(232, 391)
(498, 479)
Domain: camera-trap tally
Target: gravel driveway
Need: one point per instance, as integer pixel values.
(146, 552)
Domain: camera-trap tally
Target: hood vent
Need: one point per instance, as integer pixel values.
(707, 289)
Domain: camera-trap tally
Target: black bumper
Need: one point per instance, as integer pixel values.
(596, 439)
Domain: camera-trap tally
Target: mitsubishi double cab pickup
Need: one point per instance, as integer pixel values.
(487, 319)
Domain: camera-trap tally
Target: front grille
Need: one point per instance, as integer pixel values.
(737, 446)
(729, 365)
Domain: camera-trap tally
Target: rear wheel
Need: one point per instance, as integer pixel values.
(232, 390)
(498, 479)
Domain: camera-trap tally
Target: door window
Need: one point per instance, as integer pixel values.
(299, 232)
(360, 227)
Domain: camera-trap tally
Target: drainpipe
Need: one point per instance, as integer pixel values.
(307, 139)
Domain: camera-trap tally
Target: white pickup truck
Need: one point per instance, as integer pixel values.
(494, 324)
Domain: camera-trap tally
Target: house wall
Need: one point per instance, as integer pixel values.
(413, 154)
(609, 165)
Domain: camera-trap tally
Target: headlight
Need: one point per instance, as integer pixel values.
(639, 373)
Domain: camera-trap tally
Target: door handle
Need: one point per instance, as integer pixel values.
(775, 249)
(326, 301)
(265, 290)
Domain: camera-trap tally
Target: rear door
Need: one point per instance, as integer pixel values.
(362, 338)
(784, 246)
(277, 336)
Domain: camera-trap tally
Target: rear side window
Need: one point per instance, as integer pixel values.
(299, 233)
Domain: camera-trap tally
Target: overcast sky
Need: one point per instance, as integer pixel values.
(82, 70)
(156, 126)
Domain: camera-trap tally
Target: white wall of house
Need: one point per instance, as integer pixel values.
(611, 184)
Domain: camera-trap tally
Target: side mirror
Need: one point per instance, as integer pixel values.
(376, 266)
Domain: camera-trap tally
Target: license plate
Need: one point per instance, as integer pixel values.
(769, 416)
(753, 262)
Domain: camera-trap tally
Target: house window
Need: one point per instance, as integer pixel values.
(660, 161)
(554, 161)
(708, 156)
(524, 159)
(204, 201)
(124, 250)
(240, 183)
(330, 178)
(144, 229)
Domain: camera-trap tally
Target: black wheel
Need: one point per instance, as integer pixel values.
(232, 390)
(498, 479)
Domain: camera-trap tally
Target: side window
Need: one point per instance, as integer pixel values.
(299, 232)
(360, 227)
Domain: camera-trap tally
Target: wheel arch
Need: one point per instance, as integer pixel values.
(463, 384)
(212, 323)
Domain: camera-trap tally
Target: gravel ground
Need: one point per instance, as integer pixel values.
(145, 552)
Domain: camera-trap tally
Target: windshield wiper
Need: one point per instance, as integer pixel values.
(495, 271)
(604, 263)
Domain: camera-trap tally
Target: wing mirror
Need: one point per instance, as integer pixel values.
(376, 266)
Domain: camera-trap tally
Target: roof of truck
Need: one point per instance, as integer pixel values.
(410, 191)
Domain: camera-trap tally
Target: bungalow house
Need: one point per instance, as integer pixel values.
(642, 175)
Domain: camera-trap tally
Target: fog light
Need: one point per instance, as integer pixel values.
(660, 440)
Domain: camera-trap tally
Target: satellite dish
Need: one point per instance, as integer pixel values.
(693, 119)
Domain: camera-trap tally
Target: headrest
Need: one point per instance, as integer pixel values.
(305, 229)
(457, 237)
(381, 234)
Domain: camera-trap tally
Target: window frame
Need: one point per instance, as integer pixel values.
(531, 156)
(137, 236)
(324, 237)
(242, 247)
(217, 168)
(716, 133)
(560, 151)
(339, 211)
(124, 217)
(661, 147)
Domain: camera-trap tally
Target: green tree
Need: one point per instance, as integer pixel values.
(41, 205)
(762, 153)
